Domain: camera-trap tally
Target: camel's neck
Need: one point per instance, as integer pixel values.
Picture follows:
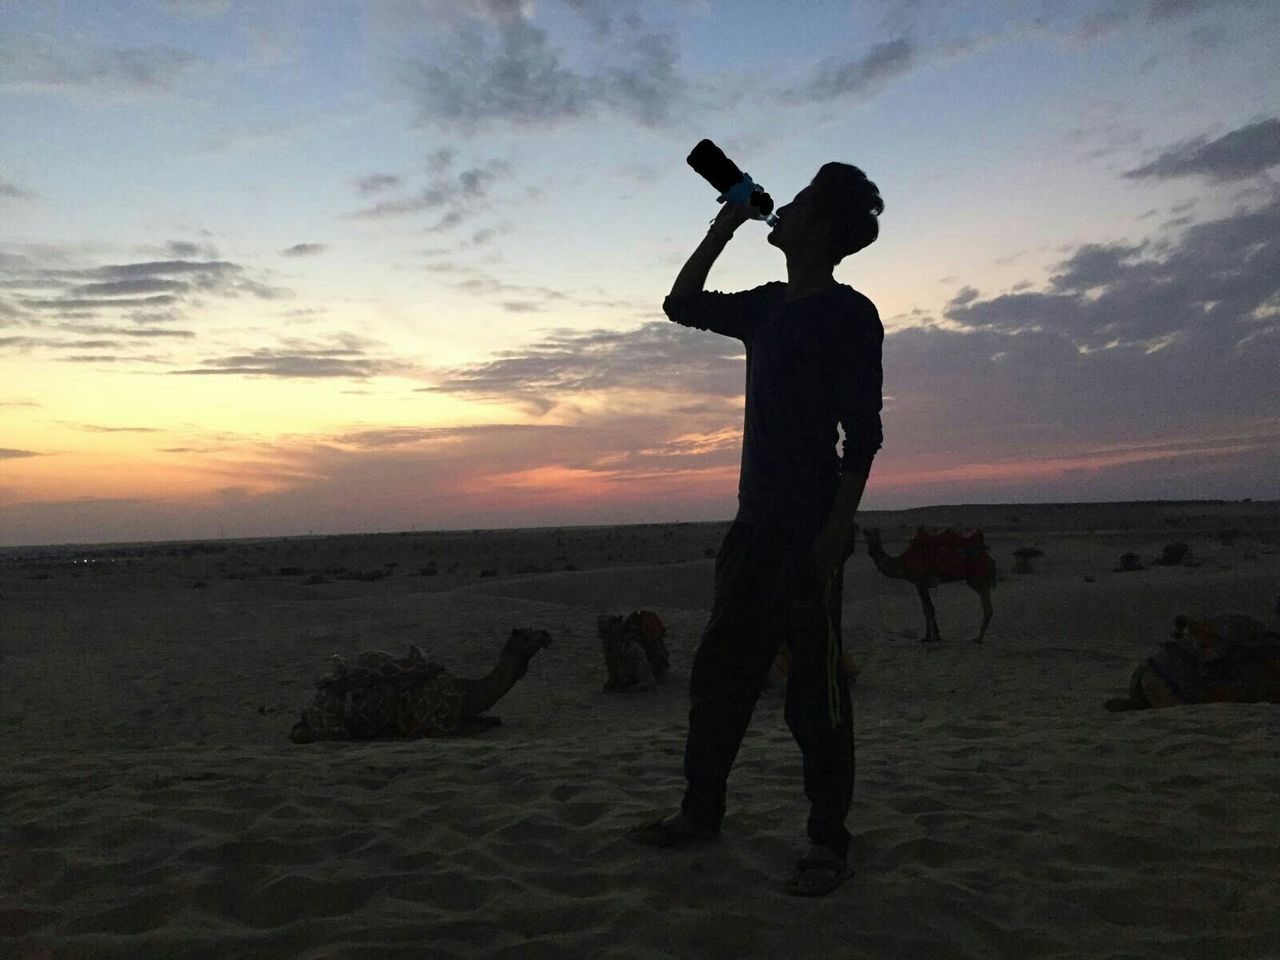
(887, 565)
(482, 693)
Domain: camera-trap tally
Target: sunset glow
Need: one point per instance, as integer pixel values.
(271, 269)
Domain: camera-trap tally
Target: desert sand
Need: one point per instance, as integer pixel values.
(151, 805)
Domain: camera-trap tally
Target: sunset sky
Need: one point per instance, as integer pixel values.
(275, 268)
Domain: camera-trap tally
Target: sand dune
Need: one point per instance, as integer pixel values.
(153, 807)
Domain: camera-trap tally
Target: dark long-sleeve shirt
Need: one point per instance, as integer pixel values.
(812, 363)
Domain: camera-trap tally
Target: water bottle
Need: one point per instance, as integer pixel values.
(709, 162)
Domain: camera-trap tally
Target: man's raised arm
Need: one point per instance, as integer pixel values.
(693, 275)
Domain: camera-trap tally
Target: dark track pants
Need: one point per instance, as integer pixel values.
(765, 595)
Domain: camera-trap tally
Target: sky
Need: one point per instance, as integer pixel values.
(275, 268)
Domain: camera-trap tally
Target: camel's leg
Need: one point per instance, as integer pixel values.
(984, 594)
(931, 633)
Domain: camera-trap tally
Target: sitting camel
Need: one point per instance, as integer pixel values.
(635, 651)
(1224, 658)
(933, 558)
(377, 695)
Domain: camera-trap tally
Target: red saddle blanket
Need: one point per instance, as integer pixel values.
(949, 555)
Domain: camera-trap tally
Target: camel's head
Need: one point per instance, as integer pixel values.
(523, 644)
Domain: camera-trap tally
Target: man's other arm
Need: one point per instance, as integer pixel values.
(862, 396)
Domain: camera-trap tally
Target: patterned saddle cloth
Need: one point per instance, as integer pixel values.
(1227, 657)
(377, 695)
(635, 649)
(949, 555)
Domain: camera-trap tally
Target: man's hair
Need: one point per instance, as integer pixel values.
(851, 204)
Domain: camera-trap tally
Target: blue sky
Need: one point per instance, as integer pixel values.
(285, 267)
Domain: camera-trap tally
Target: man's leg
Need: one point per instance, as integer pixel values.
(730, 666)
(819, 713)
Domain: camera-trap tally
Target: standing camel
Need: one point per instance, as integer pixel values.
(934, 558)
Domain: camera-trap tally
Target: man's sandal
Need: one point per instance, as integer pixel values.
(817, 873)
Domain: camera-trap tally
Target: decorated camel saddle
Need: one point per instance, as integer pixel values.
(377, 695)
(1224, 658)
(949, 555)
(635, 650)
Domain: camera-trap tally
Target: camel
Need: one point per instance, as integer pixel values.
(635, 651)
(933, 558)
(1224, 658)
(378, 695)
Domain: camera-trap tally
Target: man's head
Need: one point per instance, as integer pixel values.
(834, 216)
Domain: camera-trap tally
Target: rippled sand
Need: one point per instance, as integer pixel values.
(151, 805)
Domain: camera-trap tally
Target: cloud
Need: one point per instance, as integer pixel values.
(139, 332)
(607, 469)
(346, 357)
(304, 250)
(378, 182)
(1207, 291)
(1237, 155)
(36, 63)
(860, 77)
(1175, 9)
(657, 356)
(187, 250)
(94, 428)
(515, 77)
(125, 288)
(7, 453)
(500, 67)
(457, 196)
(120, 305)
(1124, 344)
(177, 284)
(641, 79)
(11, 191)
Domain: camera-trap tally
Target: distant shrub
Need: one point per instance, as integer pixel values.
(709, 553)
(429, 570)
(1023, 556)
(1129, 562)
(366, 576)
(1227, 536)
(292, 571)
(488, 572)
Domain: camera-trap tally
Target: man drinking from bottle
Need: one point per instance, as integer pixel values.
(813, 349)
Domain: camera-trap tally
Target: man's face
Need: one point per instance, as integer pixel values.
(796, 223)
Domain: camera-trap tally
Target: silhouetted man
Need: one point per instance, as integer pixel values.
(813, 361)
